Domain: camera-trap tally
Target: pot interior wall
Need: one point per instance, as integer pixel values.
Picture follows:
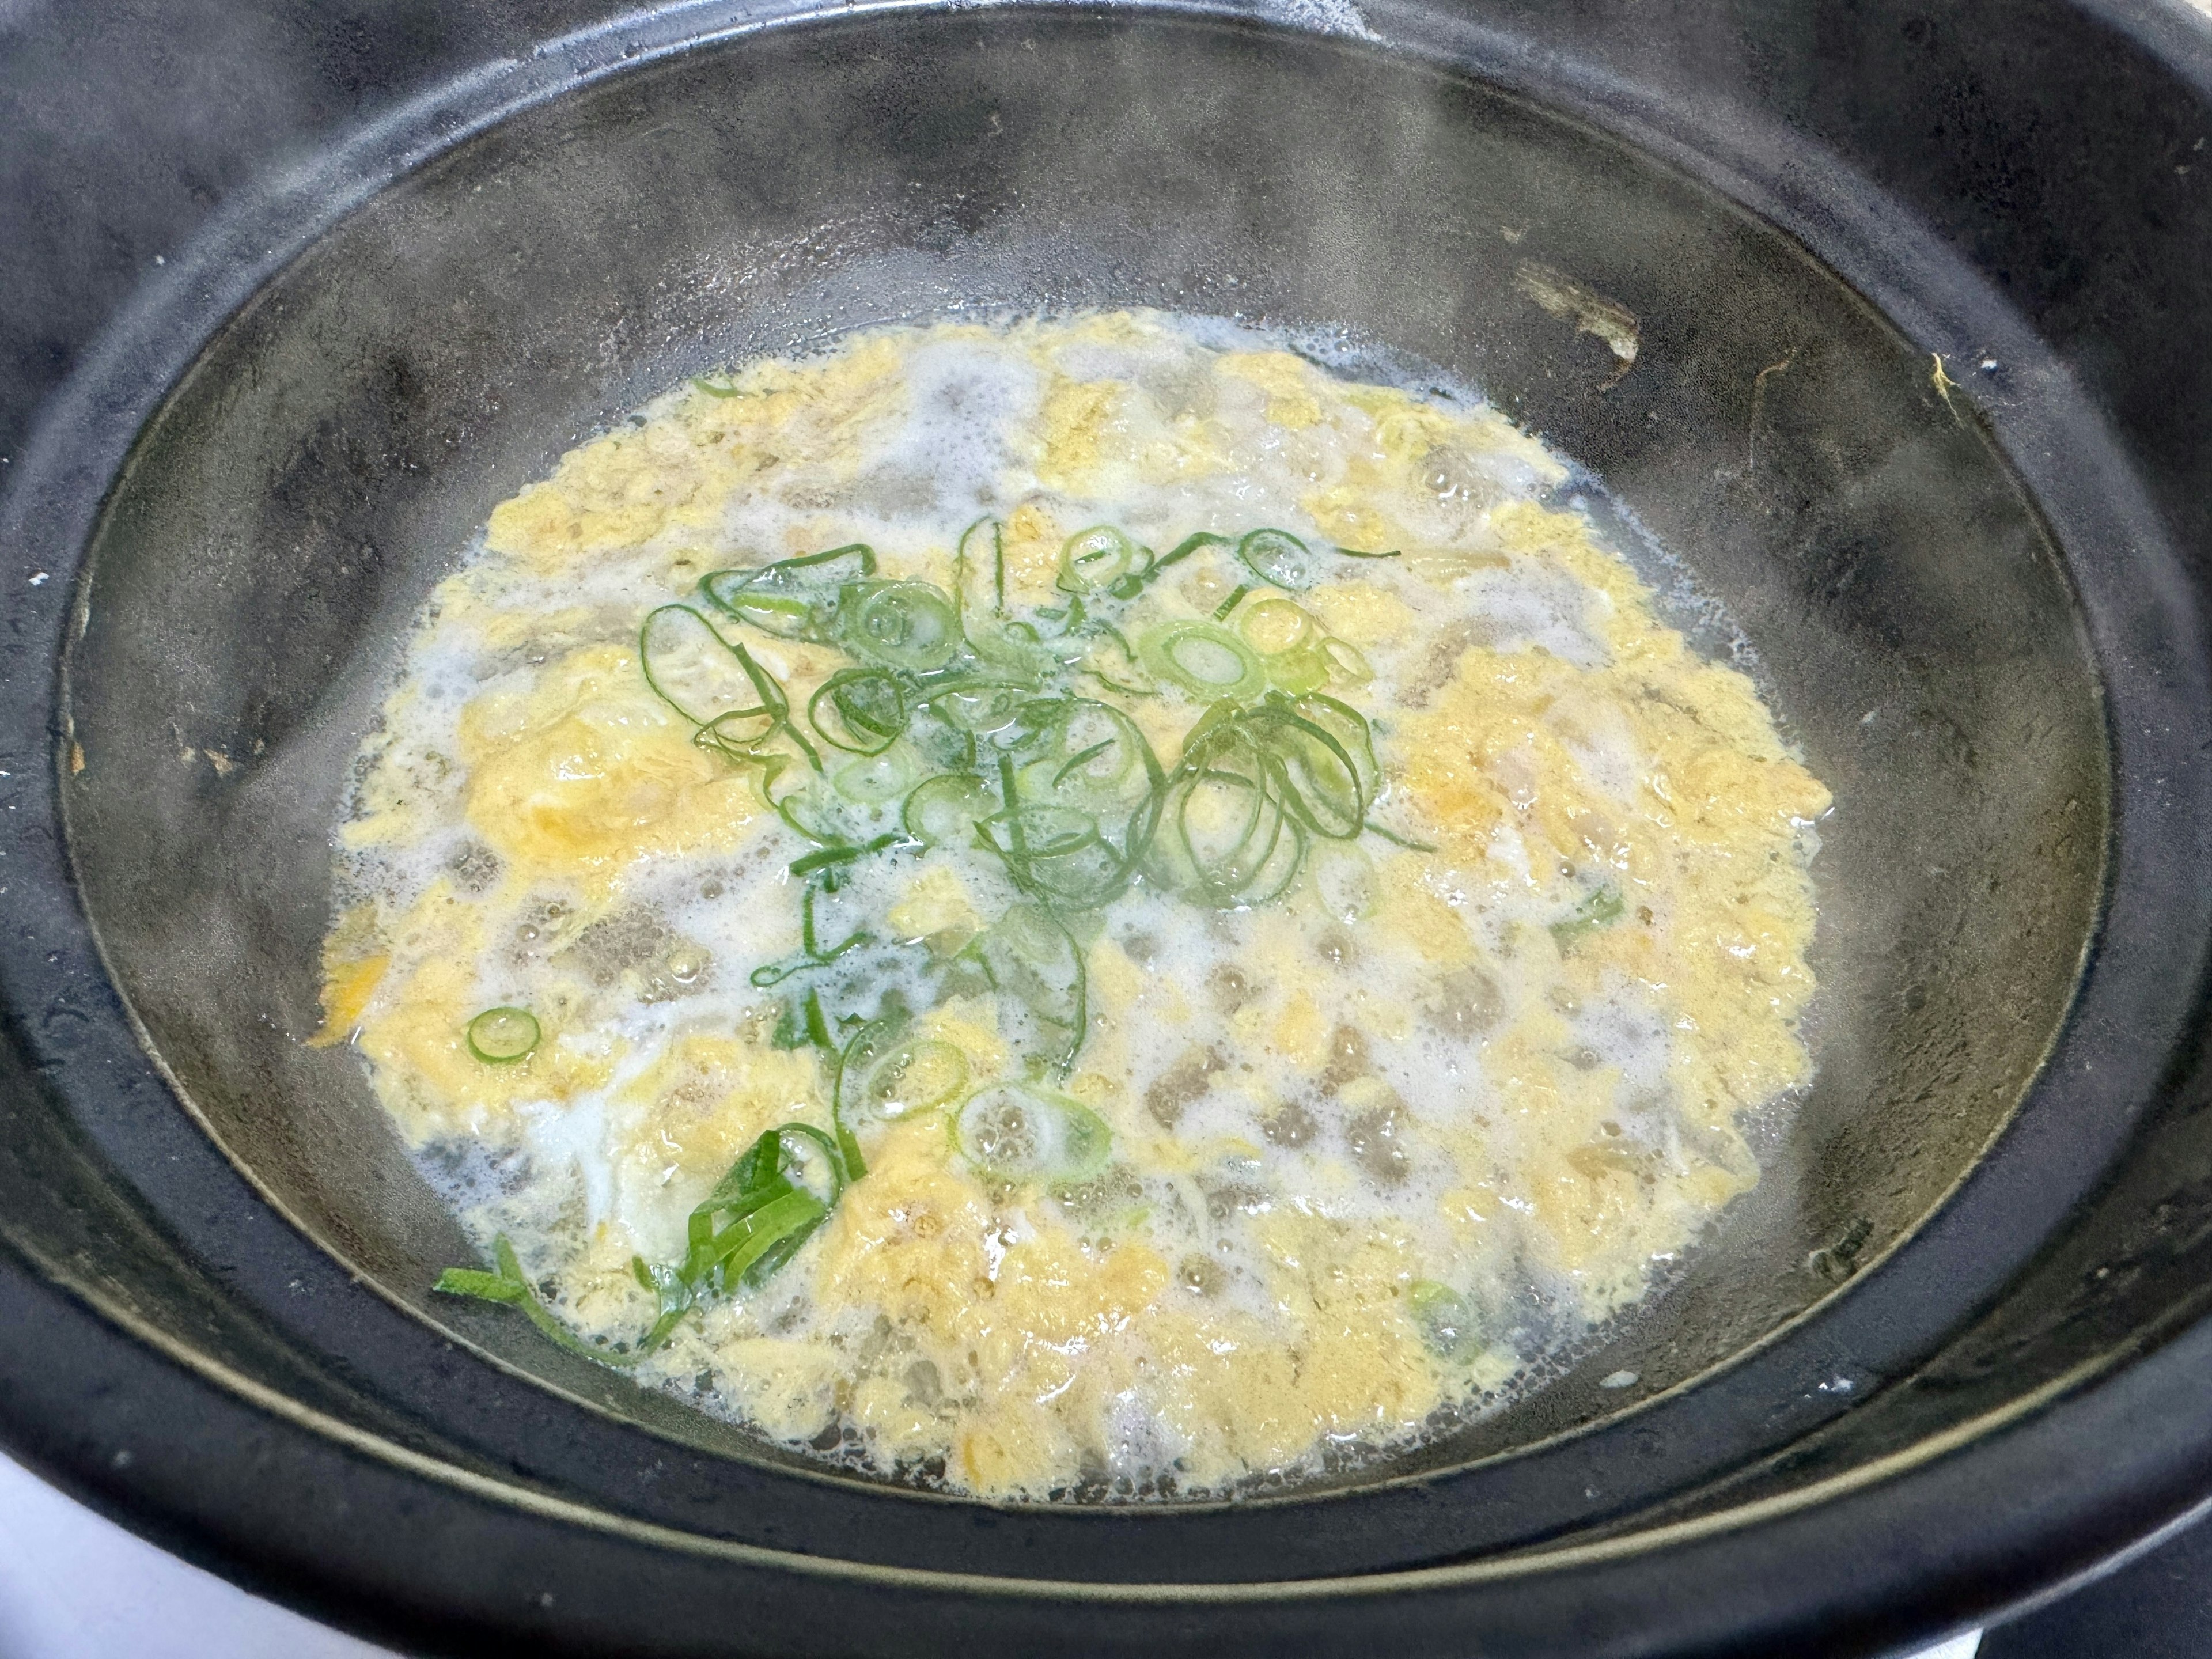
(338, 444)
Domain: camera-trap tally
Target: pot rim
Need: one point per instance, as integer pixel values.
(82, 442)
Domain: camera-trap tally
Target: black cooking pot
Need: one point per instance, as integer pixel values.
(1920, 386)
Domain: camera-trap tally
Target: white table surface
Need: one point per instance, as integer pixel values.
(76, 1586)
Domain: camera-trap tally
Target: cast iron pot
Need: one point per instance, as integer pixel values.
(1924, 350)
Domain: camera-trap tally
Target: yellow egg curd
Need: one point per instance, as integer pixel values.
(1079, 907)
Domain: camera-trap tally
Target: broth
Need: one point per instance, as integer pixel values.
(1077, 906)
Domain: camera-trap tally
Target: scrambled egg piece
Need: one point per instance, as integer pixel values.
(589, 772)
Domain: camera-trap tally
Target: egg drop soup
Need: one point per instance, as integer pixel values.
(1083, 907)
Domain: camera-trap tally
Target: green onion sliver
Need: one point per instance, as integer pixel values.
(1598, 910)
(1225, 838)
(1299, 671)
(875, 779)
(1088, 754)
(862, 711)
(981, 705)
(1320, 782)
(1450, 1324)
(885, 1075)
(1204, 658)
(1057, 853)
(1097, 558)
(1029, 958)
(911, 625)
(1280, 558)
(789, 597)
(499, 1036)
(943, 810)
(1348, 729)
(1346, 661)
(780, 1226)
(698, 673)
(508, 1286)
(784, 615)
(1018, 1132)
(1273, 625)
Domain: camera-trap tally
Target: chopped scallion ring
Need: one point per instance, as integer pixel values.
(1346, 661)
(1273, 626)
(1279, 557)
(906, 625)
(1018, 1132)
(884, 1075)
(1095, 559)
(499, 1036)
(1299, 671)
(946, 808)
(875, 779)
(859, 710)
(790, 597)
(1204, 658)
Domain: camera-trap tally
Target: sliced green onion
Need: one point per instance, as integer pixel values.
(1299, 671)
(784, 615)
(1013, 649)
(875, 779)
(508, 1286)
(741, 1253)
(1030, 960)
(1087, 754)
(1452, 1325)
(736, 705)
(1346, 661)
(483, 1286)
(964, 566)
(1280, 558)
(1225, 839)
(1205, 659)
(886, 1074)
(698, 673)
(1018, 1132)
(1397, 839)
(1113, 661)
(815, 808)
(1129, 587)
(499, 1036)
(791, 597)
(1057, 853)
(910, 625)
(1320, 782)
(1271, 626)
(1343, 880)
(1095, 559)
(862, 711)
(946, 809)
(1349, 728)
(981, 705)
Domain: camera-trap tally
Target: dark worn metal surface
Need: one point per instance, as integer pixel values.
(407, 355)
